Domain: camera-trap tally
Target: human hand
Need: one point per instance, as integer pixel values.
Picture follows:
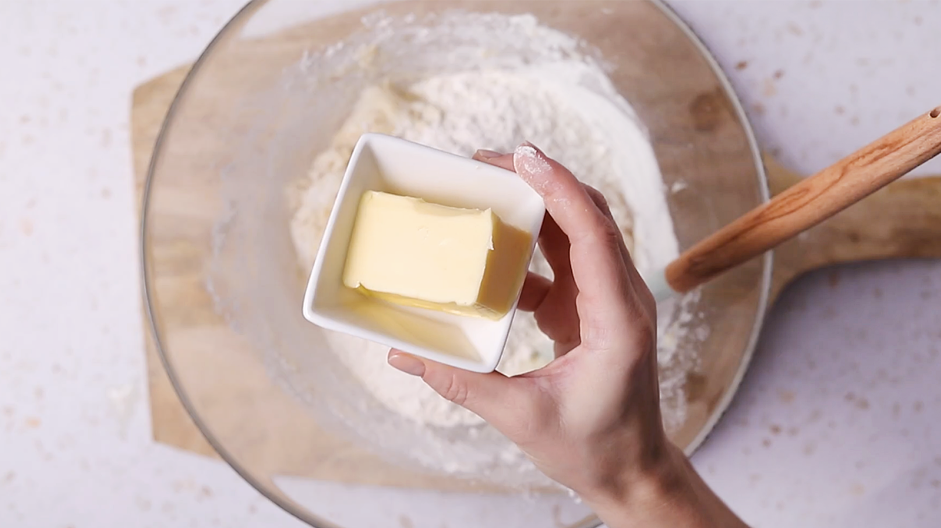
(589, 420)
(591, 417)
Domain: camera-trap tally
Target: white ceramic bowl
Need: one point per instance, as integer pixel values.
(388, 164)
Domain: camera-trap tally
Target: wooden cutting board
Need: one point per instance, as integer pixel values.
(901, 221)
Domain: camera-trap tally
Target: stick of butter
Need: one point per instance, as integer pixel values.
(414, 253)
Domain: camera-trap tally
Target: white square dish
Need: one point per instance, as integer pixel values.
(387, 164)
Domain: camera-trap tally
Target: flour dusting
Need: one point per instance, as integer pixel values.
(529, 160)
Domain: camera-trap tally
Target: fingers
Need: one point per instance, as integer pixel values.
(602, 203)
(593, 221)
(636, 280)
(555, 247)
(504, 161)
(595, 255)
(534, 292)
(552, 241)
(499, 400)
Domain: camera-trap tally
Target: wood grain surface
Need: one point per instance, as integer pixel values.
(224, 364)
(809, 202)
(901, 221)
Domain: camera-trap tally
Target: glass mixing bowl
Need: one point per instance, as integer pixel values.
(224, 289)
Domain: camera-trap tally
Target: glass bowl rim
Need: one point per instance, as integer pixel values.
(290, 507)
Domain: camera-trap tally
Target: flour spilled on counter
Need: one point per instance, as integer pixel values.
(562, 102)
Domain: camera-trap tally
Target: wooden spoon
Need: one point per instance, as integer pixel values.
(804, 205)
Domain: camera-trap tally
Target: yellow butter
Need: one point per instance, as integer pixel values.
(411, 252)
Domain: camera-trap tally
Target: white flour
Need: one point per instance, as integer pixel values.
(564, 104)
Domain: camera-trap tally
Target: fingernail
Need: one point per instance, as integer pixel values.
(528, 159)
(408, 364)
(488, 154)
(530, 145)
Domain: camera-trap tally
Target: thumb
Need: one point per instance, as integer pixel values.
(498, 399)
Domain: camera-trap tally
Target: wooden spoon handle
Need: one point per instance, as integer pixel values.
(810, 202)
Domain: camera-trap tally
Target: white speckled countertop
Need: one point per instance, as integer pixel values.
(836, 423)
